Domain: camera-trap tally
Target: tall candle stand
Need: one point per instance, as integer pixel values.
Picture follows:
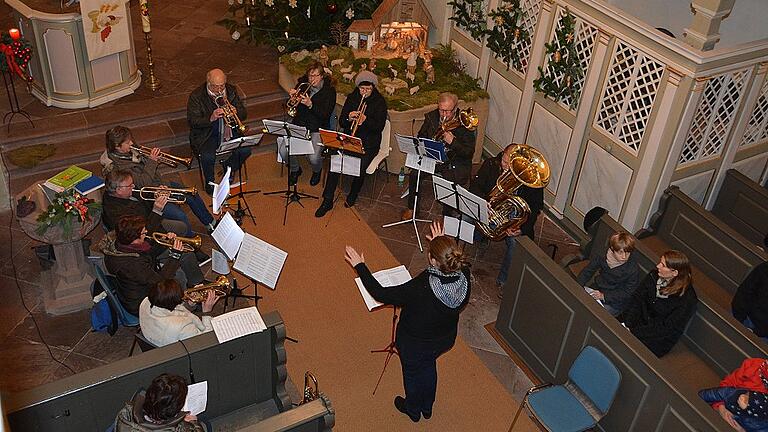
(154, 83)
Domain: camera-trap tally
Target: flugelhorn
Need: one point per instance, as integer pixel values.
(163, 158)
(293, 102)
(175, 195)
(189, 244)
(466, 118)
(230, 113)
(198, 294)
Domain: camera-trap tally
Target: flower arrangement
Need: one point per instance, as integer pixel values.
(67, 208)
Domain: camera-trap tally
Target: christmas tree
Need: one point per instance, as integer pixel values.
(506, 32)
(563, 66)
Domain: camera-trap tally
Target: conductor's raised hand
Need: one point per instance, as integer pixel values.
(352, 257)
(437, 229)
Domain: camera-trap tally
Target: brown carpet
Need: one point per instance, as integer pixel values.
(322, 308)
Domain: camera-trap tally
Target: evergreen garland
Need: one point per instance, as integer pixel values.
(469, 15)
(21, 51)
(506, 31)
(563, 65)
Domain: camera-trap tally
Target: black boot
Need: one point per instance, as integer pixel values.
(325, 206)
(293, 177)
(315, 178)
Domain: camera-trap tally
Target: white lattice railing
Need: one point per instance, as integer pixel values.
(628, 95)
(585, 37)
(714, 117)
(757, 128)
(530, 18)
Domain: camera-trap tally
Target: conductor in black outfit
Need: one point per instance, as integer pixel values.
(371, 123)
(459, 146)
(431, 303)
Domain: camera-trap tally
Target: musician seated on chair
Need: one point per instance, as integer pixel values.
(313, 112)
(459, 146)
(135, 261)
(369, 124)
(164, 319)
(482, 184)
(208, 126)
(118, 201)
(144, 171)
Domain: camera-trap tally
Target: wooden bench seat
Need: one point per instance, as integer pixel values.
(743, 205)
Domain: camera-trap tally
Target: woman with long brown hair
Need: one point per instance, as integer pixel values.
(663, 304)
(431, 303)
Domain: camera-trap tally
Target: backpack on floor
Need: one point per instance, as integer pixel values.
(103, 314)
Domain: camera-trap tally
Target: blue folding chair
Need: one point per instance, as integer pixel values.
(108, 283)
(582, 401)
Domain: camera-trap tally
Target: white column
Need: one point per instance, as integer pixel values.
(704, 31)
(589, 95)
(543, 27)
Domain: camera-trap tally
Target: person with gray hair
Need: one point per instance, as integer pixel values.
(459, 146)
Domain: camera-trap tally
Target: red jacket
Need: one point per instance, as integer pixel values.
(746, 376)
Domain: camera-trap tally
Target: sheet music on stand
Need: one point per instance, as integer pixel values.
(228, 235)
(219, 263)
(260, 260)
(341, 141)
(299, 146)
(459, 228)
(238, 323)
(430, 152)
(221, 191)
(246, 141)
(389, 277)
(274, 127)
(460, 198)
(351, 164)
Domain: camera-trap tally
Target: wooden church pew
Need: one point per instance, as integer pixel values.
(743, 205)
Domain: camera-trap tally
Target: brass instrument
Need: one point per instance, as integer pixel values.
(198, 294)
(466, 118)
(309, 393)
(230, 112)
(293, 102)
(527, 167)
(175, 195)
(163, 158)
(189, 244)
(360, 112)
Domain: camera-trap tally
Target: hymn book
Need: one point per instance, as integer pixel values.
(387, 278)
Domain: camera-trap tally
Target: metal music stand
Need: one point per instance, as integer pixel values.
(228, 147)
(422, 156)
(288, 130)
(456, 196)
(342, 143)
(235, 293)
(390, 349)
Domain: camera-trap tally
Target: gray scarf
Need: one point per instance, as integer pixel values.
(450, 288)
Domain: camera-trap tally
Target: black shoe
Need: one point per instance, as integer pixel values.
(293, 177)
(209, 189)
(400, 405)
(349, 202)
(315, 178)
(323, 209)
(427, 415)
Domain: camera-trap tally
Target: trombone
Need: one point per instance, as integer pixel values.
(189, 244)
(175, 195)
(360, 112)
(164, 158)
(230, 113)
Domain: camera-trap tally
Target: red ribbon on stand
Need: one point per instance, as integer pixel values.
(10, 60)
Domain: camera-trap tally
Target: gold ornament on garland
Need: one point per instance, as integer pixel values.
(507, 31)
(556, 57)
(564, 68)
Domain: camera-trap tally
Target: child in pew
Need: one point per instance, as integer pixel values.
(159, 409)
(662, 305)
(750, 303)
(741, 397)
(617, 274)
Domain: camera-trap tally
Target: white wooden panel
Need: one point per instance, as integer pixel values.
(752, 167)
(502, 109)
(550, 136)
(696, 185)
(469, 60)
(60, 50)
(106, 71)
(603, 181)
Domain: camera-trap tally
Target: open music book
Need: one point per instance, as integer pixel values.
(351, 164)
(228, 235)
(389, 277)
(197, 398)
(260, 260)
(237, 323)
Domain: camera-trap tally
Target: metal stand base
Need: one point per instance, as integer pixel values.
(13, 101)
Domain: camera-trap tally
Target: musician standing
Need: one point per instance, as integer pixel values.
(207, 128)
(482, 185)
(145, 172)
(459, 146)
(370, 122)
(313, 112)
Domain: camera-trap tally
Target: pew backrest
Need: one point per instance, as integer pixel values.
(648, 397)
(315, 416)
(743, 205)
(248, 371)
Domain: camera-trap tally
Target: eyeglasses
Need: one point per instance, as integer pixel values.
(315, 75)
(127, 186)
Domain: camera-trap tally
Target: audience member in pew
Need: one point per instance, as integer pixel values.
(617, 273)
(750, 303)
(740, 398)
(164, 319)
(159, 409)
(431, 303)
(661, 306)
(134, 260)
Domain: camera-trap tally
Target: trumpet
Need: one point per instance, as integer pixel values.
(466, 118)
(360, 112)
(189, 244)
(198, 294)
(163, 158)
(292, 105)
(230, 113)
(175, 195)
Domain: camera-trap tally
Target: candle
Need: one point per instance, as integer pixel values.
(15, 34)
(144, 9)
(248, 21)
(286, 35)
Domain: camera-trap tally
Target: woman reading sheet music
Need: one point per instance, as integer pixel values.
(431, 303)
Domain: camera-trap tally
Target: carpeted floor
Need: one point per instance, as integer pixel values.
(322, 308)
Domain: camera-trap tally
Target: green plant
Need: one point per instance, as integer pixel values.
(506, 31)
(469, 15)
(563, 66)
(67, 208)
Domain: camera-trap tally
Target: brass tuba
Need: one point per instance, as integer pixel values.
(230, 113)
(189, 243)
(198, 294)
(310, 394)
(466, 118)
(291, 107)
(527, 167)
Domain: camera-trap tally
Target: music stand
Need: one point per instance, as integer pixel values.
(456, 196)
(342, 143)
(288, 130)
(390, 349)
(235, 293)
(422, 158)
(228, 147)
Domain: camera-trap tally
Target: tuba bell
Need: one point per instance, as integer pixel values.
(467, 118)
(198, 294)
(310, 394)
(527, 167)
